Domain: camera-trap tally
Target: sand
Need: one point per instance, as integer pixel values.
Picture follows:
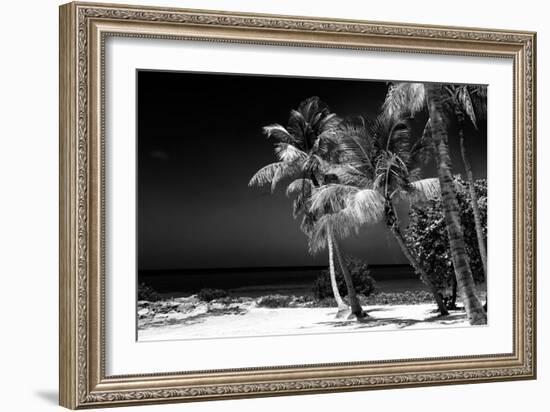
(257, 321)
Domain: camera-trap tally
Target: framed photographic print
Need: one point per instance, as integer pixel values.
(257, 205)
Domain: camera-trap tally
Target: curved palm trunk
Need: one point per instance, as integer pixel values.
(356, 308)
(416, 265)
(339, 301)
(463, 273)
(473, 197)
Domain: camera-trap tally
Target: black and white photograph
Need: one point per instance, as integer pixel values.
(274, 206)
(291, 205)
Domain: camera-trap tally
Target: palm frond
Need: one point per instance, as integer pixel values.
(265, 174)
(311, 107)
(314, 164)
(300, 204)
(326, 144)
(328, 122)
(478, 96)
(289, 170)
(423, 190)
(348, 174)
(307, 224)
(404, 98)
(278, 132)
(466, 103)
(394, 134)
(423, 149)
(341, 225)
(273, 173)
(297, 125)
(330, 198)
(299, 185)
(288, 153)
(355, 143)
(400, 141)
(391, 173)
(366, 206)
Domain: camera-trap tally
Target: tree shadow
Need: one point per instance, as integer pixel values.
(370, 322)
(398, 323)
(449, 319)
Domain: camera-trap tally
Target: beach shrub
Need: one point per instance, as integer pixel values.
(362, 281)
(274, 301)
(427, 236)
(146, 292)
(208, 294)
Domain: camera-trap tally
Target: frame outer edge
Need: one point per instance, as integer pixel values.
(533, 166)
(77, 374)
(68, 356)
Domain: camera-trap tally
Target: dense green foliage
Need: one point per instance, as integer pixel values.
(362, 281)
(427, 236)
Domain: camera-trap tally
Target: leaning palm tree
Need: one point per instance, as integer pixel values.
(461, 100)
(375, 175)
(474, 309)
(413, 98)
(398, 177)
(301, 148)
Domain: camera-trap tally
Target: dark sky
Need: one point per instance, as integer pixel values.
(199, 143)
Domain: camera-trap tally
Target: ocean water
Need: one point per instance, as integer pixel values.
(254, 282)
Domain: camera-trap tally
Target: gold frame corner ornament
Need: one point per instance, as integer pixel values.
(83, 30)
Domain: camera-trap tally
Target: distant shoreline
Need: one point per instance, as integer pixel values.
(256, 281)
(258, 269)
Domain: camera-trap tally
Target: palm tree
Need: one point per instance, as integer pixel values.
(462, 104)
(460, 101)
(474, 309)
(398, 175)
(375, 175)
(302, 189)
(301, 148)
(342, 208)
(413, 98)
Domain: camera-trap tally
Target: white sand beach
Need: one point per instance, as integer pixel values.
(205, 321)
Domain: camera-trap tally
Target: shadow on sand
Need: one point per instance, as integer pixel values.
(399, 323)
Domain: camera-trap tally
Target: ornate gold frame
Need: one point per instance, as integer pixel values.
(83, 30)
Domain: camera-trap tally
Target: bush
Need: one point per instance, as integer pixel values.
(362, 281)
(208, 295)
(427, 236)
(274, 301)
(146, 292)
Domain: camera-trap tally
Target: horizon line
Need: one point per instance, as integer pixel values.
(262, 268)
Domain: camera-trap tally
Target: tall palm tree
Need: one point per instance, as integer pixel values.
(461, 99)
(398, 176)
(301, 148)
(413, 98)
(375, 175)
(474, 309)
(458, 101)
